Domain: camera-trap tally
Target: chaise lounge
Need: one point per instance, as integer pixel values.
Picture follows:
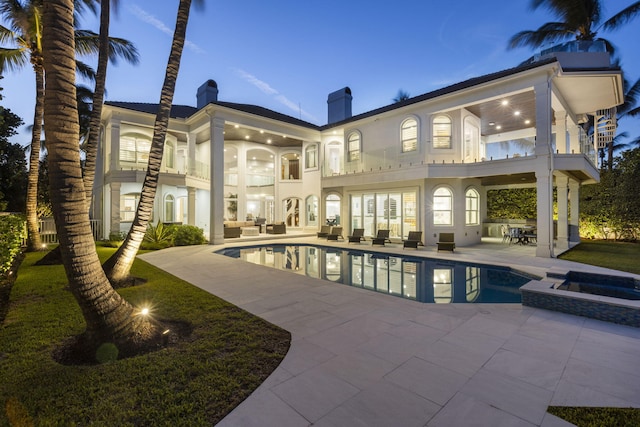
(381, 238)
(446, 242)
(336, 233)
(357, 236)
(324, 231)
(413, 240)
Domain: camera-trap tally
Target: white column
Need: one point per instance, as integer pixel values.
(216, 189)
(114, 161)
(544, 170)
(574, 137)
(574, 218)
(561, 132)
(114, 224)
(562, 191)
(191, 154)
(191, 205)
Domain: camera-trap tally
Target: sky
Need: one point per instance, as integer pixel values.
(288, 55)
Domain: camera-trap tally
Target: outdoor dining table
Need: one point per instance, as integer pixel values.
(522, 235)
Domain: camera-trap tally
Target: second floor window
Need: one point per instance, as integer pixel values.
(311, 157)
(134, 149)
(353, 146)
(441, 132)
(409, 135)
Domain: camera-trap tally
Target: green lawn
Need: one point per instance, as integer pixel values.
(621, 256)
(197, 382)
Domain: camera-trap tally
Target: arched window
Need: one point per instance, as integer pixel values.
(311, 156)
(441, 132)
(442, 207)
(472, 207)
(409, 135)
(353, 146)
(134, 148)
(169, 208)
(312, 210)
(332, 209)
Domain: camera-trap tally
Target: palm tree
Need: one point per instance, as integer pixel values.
(118, 266)
(109, 318)
(402, 95)
(25, 19)
(579, 20)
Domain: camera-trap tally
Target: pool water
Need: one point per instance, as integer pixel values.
(425, 280)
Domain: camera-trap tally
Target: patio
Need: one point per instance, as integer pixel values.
(362, 358)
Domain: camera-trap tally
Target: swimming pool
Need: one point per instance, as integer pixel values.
(425, 280)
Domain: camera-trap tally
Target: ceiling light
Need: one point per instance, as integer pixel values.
(516, 113)
(268, 141)
(261, 131)
(246, 137)
(236, 126)
(498, 127)
(492, 123)
(526, 122)
(504, 102)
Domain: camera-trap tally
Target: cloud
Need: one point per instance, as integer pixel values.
(148, 18)
(268, 90)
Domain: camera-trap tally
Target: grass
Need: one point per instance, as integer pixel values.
(196, 382)
(621, 256)
(597, 417)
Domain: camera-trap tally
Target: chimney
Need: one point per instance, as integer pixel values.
(207, 93)
(339, 105)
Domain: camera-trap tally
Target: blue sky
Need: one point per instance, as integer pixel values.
(288, 55)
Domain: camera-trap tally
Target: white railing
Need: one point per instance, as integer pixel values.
(48, 233)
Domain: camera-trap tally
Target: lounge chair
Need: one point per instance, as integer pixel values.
(336, 233)
(413, 240)
(381, 238)
(357, 236)
(324, 231)
(446, 242)
(280, 228)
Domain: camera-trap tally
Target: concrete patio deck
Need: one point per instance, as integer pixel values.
(360, 358)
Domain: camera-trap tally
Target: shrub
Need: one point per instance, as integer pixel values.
(12, 231)
(115, 240)
(159, 236)
(186, 235)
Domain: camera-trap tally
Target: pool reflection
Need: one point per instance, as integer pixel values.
(421, 279)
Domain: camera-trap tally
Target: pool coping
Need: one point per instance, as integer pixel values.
(545, 295)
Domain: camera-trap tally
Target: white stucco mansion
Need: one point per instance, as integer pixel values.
(425, 163)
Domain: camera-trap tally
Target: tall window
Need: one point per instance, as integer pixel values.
(332, 209)
(353, 146)
(290, 166)
(169, 208)
(409, 135)
(311, 156)
(442, 207)
(472, 207)
(441, 132)
(169, 154)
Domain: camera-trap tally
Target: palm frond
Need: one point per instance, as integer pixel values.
(85, 71)
(550, 32)
(88, 43)
(123, 49)
(13, 59)
(622, 17)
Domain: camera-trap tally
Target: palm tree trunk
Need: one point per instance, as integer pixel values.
(33, 233)
(98, 99)
(119, 265)
(108, 316)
